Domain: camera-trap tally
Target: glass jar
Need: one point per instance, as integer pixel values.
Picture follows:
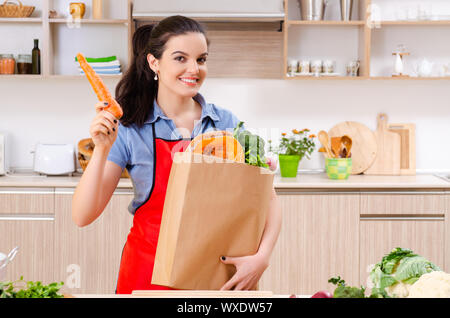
(24, 65)
(7, 64)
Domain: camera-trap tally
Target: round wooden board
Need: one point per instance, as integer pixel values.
(364, 144)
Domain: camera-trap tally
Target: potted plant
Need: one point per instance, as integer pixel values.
(292, 149)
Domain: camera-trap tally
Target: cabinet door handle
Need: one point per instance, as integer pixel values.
(27, 217)
(396, 192)
(402, 218)
(27, 190)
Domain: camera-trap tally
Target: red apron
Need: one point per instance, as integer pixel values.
(138, 255)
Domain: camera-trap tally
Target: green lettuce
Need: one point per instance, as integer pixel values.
(399, 266)
(253, 146)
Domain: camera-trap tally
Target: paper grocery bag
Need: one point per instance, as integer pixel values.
(213, 208)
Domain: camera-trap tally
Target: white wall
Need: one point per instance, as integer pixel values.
(60, 110)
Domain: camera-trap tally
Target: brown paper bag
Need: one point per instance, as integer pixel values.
(213, 207)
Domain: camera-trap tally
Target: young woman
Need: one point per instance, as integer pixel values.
(162, 108)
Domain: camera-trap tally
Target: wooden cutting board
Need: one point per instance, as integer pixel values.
(407, 134)
(364, 143)
(387, 161)
(203, 293)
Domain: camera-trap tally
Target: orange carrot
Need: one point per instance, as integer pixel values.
(100, 88)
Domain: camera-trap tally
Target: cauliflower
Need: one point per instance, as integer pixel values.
(400, 290)
(397, 272)
(431, 285)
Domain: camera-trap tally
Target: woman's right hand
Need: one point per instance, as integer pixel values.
(104, 127)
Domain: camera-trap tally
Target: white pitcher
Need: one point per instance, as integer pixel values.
(423, 68)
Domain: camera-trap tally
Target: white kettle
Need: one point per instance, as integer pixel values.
(423, 68)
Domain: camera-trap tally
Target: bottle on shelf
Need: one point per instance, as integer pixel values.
(36, 58)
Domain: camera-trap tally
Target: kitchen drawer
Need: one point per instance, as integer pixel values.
(378, 236)
(403, 203)
(319, 239)
(25, 201)
(35, 237)
(93, 251)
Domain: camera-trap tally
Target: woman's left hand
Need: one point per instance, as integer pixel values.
(248, 271)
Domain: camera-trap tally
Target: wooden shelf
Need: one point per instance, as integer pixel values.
(22, 76)
(360, 78)
(20, 20)
(113, 76)
(90, 21)
(414, 23)
(434, 78)
(325, 78)
(326, 23)
(212, 17)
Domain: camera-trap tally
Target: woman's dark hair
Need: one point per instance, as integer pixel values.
(137, 89)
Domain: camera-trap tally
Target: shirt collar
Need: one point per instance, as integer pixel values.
(207, 111)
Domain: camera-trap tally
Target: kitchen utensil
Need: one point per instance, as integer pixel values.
(97, 9)
(325, 140)
(347, 142)
(312, 9)
(364, 143)
(54, 159)
(387, 161)
(335, 146)
(346, 9)
(407, 134)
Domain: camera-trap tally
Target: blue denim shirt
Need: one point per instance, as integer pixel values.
(133, 148)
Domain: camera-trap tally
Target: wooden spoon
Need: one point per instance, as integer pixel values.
(347, 142)
(335, 146)
(325, 140)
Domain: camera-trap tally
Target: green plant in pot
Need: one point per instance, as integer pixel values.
(292, 149)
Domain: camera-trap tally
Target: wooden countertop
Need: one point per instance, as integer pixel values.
(303, 181)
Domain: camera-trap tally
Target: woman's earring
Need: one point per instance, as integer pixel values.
(156, 77)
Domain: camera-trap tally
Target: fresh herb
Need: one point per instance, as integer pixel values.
(29, 289)
(343, 291)
(253, 146)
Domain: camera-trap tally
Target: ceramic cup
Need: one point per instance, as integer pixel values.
(292, 67)
(304, 67)
(316, 66)
(328, 66)
(352, 68)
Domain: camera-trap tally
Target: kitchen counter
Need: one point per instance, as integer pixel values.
(303, 181)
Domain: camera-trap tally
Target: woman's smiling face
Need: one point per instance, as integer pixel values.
(182, 67)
